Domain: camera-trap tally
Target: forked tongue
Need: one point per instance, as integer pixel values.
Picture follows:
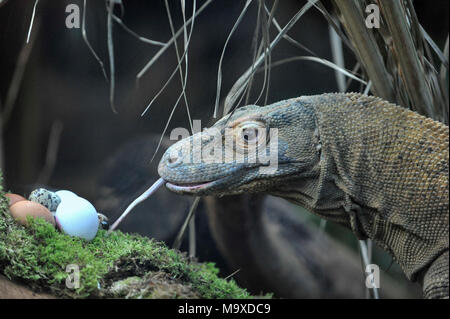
(138, 200)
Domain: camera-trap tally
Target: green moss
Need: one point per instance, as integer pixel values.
(38, 256)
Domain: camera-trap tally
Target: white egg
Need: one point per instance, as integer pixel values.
(76, 216)
(65, 194)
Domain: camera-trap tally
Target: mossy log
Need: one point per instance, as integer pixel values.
(34, 260)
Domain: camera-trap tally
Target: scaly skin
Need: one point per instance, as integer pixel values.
(375, 167)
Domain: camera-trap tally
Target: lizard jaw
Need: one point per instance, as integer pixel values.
(201, 189)
(214, 187)
(187, 189)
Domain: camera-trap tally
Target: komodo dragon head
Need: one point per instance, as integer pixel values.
(255, 149)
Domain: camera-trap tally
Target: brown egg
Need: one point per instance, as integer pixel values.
(22, 209)
(14, 198)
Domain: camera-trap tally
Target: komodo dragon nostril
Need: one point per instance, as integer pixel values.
(174, 158)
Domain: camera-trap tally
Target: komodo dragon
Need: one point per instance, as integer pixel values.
(375, 167)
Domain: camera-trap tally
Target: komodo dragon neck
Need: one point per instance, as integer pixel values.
(375, 167)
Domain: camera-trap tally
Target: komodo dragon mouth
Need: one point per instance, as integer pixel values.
(242, 179)
(206, 187)
(188, 188)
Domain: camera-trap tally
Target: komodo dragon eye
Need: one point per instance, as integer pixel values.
(251, 133)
